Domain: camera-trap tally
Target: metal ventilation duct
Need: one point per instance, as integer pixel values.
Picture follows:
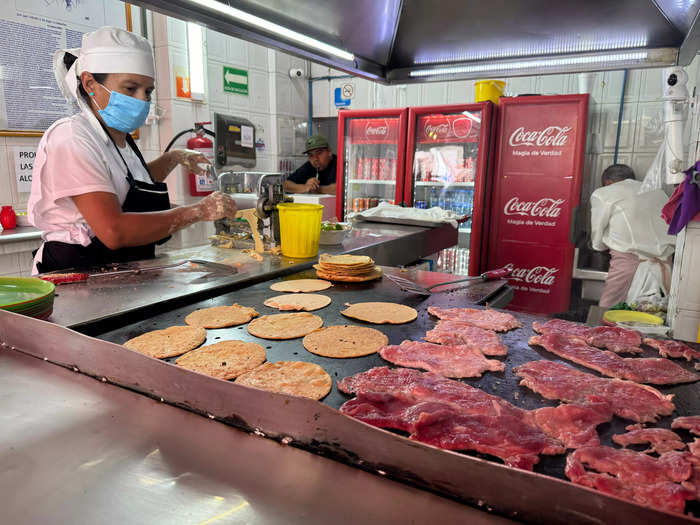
(399, 41)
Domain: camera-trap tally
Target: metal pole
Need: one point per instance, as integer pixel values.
(619, 116)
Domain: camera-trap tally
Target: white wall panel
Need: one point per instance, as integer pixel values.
(217, 46)
(263, 130)
(641, 162)
(237, 51)
(215, 85)
(652, 85)
(6, 177)
(259, 91)
(177, 33)
(321, 99)
(553, 84)
(650, 128)
(519, 85)
(284, 94)
(299, 97)
(460, 92)
(609, 119)
(258, 57)
(434, 94)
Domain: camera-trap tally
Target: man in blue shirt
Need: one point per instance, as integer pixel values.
(317, 175)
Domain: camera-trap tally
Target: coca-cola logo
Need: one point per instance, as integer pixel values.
(377, 131)
(549, 136)
(537, 275)
(545, 207)
(437, 130)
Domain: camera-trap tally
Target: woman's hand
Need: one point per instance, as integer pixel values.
(193, 160)
(216, 206)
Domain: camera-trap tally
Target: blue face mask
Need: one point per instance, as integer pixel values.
(124, 113)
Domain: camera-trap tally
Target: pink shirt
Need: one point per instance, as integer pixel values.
(75, 156)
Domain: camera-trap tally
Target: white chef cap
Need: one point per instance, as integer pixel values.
(105, 50)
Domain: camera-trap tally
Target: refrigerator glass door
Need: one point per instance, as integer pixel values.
(371, 149)
(445, 161)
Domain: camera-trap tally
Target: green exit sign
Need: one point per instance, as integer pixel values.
(235, 81)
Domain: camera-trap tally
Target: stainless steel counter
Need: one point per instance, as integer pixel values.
(102, 297)
(21, 233)
(77, 451)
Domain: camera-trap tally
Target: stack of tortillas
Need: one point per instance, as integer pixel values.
(347, 268)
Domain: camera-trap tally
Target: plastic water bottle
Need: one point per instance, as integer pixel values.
(442, 199)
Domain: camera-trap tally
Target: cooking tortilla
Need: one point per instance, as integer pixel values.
(299, 301)
(225, 360)
(345, 260)
(345, 341)
(381, 313)
(289, 377)
(301, 285)
(169, 342)
(284, 326)
(221, 316)
(375, 274)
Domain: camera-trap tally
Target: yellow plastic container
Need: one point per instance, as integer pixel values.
(488, 90)
(300, 229)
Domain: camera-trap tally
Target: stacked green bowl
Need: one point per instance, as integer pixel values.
(27, 296)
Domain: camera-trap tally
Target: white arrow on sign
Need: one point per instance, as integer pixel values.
(238, 79)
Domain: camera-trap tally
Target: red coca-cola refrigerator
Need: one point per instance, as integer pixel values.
(537, 185)
(370, 159)
(447, 165)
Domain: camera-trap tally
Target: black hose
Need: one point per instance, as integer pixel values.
(170, 144)
(195, 130)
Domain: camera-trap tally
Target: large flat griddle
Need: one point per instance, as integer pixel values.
(320, 429)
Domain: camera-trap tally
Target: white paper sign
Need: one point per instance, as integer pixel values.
(24, 164)
(247, 136)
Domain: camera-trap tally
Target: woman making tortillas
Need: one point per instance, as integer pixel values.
(93, 196)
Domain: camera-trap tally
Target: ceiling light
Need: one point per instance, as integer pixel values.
(535, 64)
(271, 27)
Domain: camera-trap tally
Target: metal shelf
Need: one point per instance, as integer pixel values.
(457, 184)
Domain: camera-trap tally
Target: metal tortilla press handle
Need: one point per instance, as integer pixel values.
(497, 274)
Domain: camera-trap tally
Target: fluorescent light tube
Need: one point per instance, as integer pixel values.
(277, 29)
(532, 64)
(195, 59)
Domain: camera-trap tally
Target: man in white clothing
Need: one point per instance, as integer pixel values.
(630, 226)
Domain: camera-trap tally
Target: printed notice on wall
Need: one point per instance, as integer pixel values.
(247, 140)
(32, 30)
(24, 164)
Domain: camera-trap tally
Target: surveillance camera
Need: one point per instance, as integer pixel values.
(676, 76)
(296, 73)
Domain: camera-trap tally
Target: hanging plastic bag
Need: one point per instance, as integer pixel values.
(656, 174)
(648, 283)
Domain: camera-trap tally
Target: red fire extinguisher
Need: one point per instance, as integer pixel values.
(201, 185)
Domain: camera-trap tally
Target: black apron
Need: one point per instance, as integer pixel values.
(141, 197)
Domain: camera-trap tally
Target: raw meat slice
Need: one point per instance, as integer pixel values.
(633, 475)
(573, 425)
(630, 466)
(661, 439)
(487, 319)
(691, 423)
(642, 370)
(628, 400)
(426, 386)
(667, 496)
(559, 325)
(616, 339)
(446, 360)
(463, 333)
(509, 435)
(672, 348)
(511, 439)
(695, 447)
(397, 398)
(693, 483)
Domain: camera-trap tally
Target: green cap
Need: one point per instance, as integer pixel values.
(315, 142)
